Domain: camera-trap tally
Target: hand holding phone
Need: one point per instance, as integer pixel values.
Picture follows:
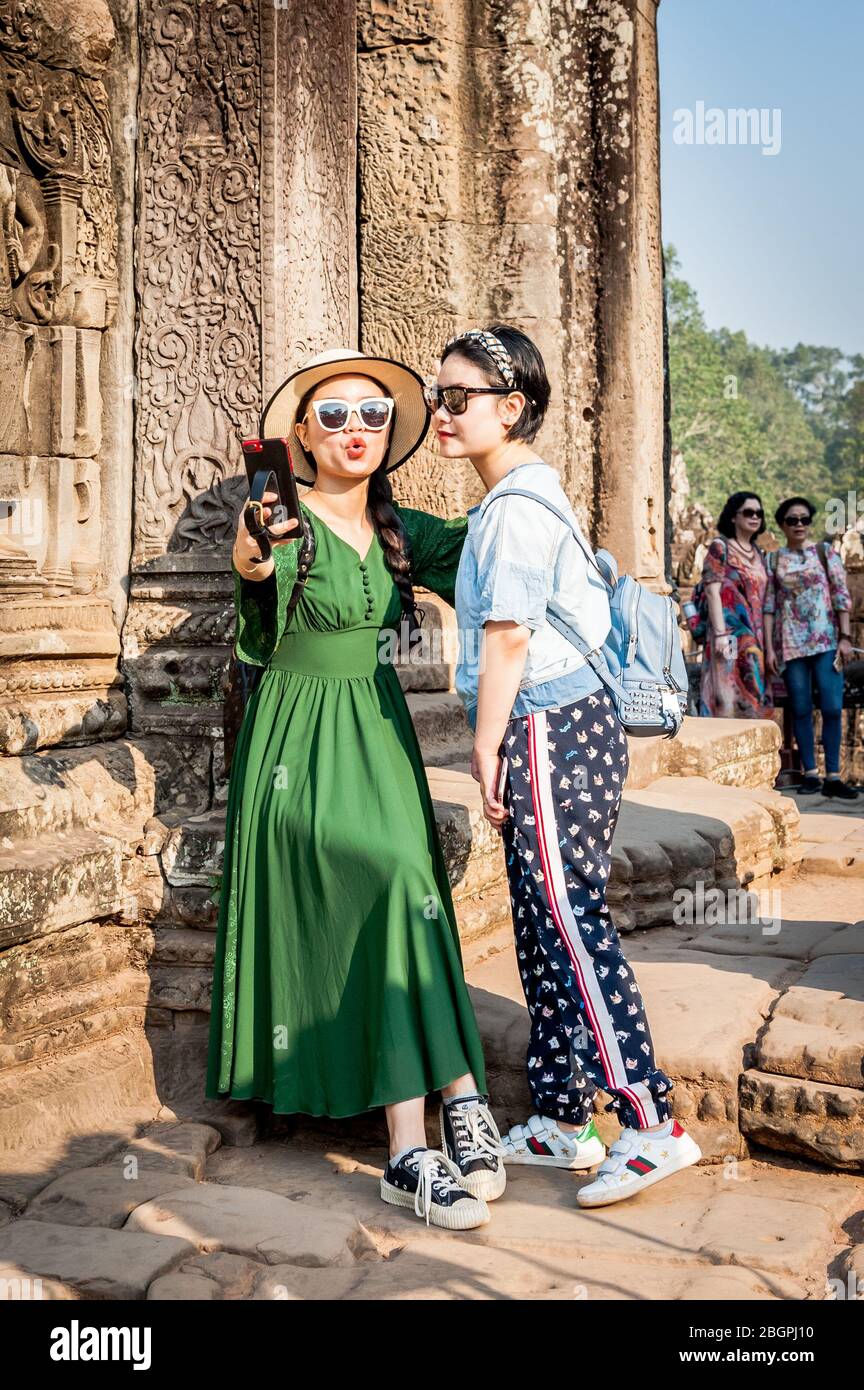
(271, 481)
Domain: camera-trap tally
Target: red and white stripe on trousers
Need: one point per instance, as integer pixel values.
(601, 1021)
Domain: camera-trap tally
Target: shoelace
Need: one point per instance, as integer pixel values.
(476, 1134)
(435, 1172)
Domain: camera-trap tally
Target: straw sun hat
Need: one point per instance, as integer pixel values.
(410, 417)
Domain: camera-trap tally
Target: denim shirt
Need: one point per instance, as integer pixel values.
(517, 558)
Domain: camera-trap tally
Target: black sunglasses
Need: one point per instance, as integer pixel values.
(752, 512)
(797, 520)
(455, 398)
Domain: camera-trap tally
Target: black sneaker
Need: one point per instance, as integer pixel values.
(427, 1181)
(809, 784)
(469, 1136)
(835, 786)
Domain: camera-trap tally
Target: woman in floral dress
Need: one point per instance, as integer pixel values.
(807, 615)
(734, 578)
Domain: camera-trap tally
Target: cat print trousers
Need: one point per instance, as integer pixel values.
(566, 769)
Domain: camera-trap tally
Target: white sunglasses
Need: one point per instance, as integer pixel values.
(333, 413)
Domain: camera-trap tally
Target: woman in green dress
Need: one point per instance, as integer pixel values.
(338, 983)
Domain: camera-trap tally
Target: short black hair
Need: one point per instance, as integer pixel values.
(780, 514)
(529, 369)
(726, 519)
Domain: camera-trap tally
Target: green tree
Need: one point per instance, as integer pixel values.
(745, 416)
(713, 424)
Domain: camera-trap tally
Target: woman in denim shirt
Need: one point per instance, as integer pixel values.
(550, 755)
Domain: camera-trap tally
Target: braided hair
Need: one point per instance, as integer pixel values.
(389, 528)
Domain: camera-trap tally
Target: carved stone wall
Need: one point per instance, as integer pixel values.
(58, 294)
(245, 264)
(508, 169)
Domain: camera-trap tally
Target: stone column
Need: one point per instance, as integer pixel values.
(630, 505)
(458, 214)
(508, 169)
(59, 680)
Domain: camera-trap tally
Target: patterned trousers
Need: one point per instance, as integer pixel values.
(566, 769)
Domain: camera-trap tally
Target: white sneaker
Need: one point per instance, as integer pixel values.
(637, 1160)
(542, 1143)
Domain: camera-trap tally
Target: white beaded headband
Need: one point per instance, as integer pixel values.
(495, 348)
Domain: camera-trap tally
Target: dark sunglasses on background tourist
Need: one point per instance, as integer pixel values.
(755, 512)
(797, 520)
(455, 398)
(333, 413)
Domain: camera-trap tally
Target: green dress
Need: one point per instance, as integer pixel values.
(338, 983)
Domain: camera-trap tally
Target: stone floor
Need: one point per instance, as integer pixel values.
(175, 1213)
(301, 1218)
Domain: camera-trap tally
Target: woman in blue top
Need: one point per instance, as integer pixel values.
(550, 755)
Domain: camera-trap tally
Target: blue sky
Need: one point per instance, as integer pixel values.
(771, 243)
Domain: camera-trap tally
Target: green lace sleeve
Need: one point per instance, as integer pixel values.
(260, 606)
(436, 544)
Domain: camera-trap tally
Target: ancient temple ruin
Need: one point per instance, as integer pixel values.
(193, 198)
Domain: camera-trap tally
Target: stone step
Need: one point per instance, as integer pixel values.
(839, 858)
(442, 729)
(833, 842)
(56, 881)
(730, 752)
(162, 867)
(153, 868)
(816, 1029)
(118, 783)
(68, 1103)
(825, 828)
(817, 1120)
(676, 835)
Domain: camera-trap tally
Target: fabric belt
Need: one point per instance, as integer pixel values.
(351, 652)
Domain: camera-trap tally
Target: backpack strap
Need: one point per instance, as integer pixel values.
(822, 552)
(523, 492)
(593, 656)
(305, 556)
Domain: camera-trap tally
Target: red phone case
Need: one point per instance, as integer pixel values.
(266, 456)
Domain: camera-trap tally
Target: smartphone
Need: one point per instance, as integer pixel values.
(502, 779)
(273, 456)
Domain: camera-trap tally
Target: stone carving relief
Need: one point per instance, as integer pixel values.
(245, 238)
(198, 282)
(58, 294)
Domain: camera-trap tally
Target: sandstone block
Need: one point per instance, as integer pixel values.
(251, 1221)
